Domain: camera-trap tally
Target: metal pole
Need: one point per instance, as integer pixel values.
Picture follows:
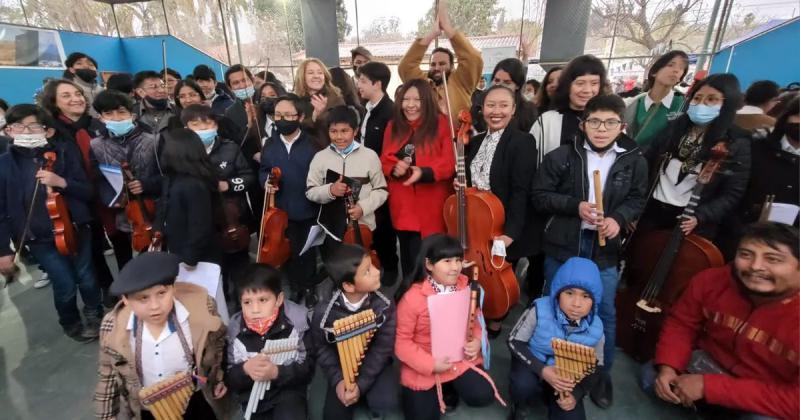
(116, 23)
(236, 32)
(166, 21)
(701, 62)
(288, 39)
(224, 31)
(24, 13)
(435, 15)
(614, 34)
(358, 37)
(723, 24)
(521, 26)
(730, 58)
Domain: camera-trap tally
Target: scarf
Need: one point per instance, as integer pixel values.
(261, 326)
(82, 137)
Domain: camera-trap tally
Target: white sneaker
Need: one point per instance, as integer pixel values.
(43, 282)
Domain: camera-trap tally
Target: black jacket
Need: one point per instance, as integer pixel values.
(4, 142)
(236, 171)
(510, 179)
(723, 194)
(562, 183)
(381, 348)
(187, 209)
(376, 124)
(293, 376)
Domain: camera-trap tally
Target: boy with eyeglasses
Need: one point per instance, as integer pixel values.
(24, 184)
(564, 190)
(291, 150)
(153, 108)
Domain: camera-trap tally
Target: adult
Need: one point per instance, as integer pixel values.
(217, 98)
(347, 86)
(171, 77)
(313, 84)
(359, 56)
(729, 344)
(121, 82)
(242, 112)
(687, 144)
(759, 99)
(501, 161)
(544, 96)
(265, 98)
(582, 79)
(419, 164)
(531, 88)
(82, 69)
(153, 109)
(510, 73)
(647, 114)
(373, 79)
(461, 81)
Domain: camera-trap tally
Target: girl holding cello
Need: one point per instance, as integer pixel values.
(419, 165)
(39, 169)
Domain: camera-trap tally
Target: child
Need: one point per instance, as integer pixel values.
(568, 313)
(438, 271)
(267, 316)
(356, 283)
(160, 328)
(563, 189)
(30, 128)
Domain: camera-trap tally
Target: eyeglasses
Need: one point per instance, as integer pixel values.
(595, 123)
(155, 87)
(32, 128)
(289, 117)
(709, 100)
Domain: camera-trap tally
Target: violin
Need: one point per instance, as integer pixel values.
(140, 212)
(357, 233)
(273, 245)
(235, 236)
(476, 217)
(63, 230)
(654, 281)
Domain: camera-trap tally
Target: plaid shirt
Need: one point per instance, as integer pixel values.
(117, 379)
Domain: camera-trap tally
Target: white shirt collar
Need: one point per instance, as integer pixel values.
(180, 312)
(370, 106)
(354, 306)
(787, 147)
(750, 110)
(495, 135)
(666, 101)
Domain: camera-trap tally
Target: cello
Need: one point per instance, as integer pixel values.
(273, 246)
(66, 239)
(357, 233)
(654, 281)
(476, 217)
(140, 212)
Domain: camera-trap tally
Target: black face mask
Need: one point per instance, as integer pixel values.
(287, 127)
(158, 104)
(793, 131)
(601, 149)
(267, 106)
(87, 75)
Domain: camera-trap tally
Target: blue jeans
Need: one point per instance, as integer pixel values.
(607, 309)
(69, 274)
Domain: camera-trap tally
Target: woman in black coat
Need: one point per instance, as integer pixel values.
(502, 161)
(186, 208)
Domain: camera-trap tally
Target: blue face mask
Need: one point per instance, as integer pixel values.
(119, 128)
(703, 114)
(346, 151)
(207, 136)
(245, 93)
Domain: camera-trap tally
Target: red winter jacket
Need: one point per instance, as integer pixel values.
(758, 345)
(419, 207)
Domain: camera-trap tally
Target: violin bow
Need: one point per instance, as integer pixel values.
(164, 61)
(25, 229)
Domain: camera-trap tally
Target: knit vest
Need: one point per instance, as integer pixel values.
(552, 323)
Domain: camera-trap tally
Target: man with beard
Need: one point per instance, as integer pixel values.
(732, 339)
(153, 108)
(82, 70)
(461, 82)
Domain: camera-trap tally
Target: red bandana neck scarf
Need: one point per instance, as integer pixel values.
(261, 326)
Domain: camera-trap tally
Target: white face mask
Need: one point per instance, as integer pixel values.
(2, 121)
(30, 141)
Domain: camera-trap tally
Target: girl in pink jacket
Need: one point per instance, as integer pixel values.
(424, 378)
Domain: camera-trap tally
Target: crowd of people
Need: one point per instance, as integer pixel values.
(186, 160)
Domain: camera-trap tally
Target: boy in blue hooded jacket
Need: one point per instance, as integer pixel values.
(569, 312)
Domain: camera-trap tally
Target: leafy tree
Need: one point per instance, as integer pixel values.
(472, 17)
(383, 29)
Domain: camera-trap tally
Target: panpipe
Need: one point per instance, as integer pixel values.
(280, 352)
(352, 336)
(598, 198)
(573, 361)
(168, 399)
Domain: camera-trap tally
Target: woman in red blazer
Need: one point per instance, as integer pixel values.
(419, 164)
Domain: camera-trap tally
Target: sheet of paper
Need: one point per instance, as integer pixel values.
(209, 276)
(316, 236)
(449, 313)
(783, 213)
(113, 175)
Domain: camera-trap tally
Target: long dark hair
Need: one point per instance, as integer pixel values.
(542, 100)
(342, 80)
(429, 110)
(662, 62)
(188, 83)
(434, 248)
(183, 153)
(728, 85)
(579, 66)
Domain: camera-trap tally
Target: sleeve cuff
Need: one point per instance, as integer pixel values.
(427, 175)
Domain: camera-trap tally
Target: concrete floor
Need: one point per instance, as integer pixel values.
(45, 375)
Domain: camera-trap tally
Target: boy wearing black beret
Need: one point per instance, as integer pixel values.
(157, 330)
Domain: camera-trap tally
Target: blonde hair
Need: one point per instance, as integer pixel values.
(301, 88)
